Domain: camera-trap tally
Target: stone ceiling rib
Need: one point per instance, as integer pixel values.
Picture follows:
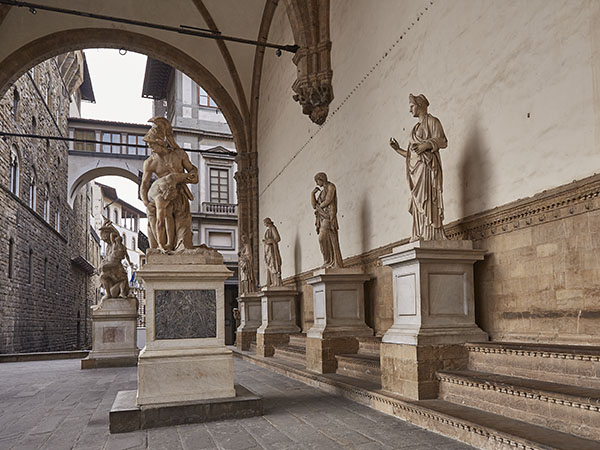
(226, 57)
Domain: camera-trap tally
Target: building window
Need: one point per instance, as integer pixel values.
(57, 215)
(112, 142)
(133, 243)
(11, 257)
(15, 110)
(115, 217)
(136, 139)
(219, 185)
(47, 204)
(86, 135)
(33, 190)
(30, 267)
(13, 180)
(204, 99)
(33, 125)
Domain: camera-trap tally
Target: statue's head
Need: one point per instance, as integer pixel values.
(107, 230)
(418, 104)
(267, 221)
(160, 137)
(321, 178)
(244, 238)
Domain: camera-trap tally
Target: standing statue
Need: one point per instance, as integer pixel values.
(168, 199)
(324, 202)
(112, 273)
(424, 172)
(246, 266)
(272, 255)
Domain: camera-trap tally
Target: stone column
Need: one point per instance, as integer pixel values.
(250, 311)
(339, 316)
(114, 334)
(278, 318)
(433, 315)
(185, 358)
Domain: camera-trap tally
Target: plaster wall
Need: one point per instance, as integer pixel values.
(515, 84)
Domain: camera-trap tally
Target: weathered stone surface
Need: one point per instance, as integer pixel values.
(186, 314)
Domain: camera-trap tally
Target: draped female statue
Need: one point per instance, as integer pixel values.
(424, 172)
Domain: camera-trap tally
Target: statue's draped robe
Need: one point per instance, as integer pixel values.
(246, 269)
(326, 224)
(424, 174)
(272, 256)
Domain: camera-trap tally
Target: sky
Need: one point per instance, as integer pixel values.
(117, 81)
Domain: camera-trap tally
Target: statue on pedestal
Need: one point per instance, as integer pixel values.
(112, 273)
(246, 266)
(168, 199)
(272, 255)
(324, 202)
(424, 172)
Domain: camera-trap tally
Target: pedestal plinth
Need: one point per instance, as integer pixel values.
(114, 334)
(278, 318)
(339, 317)
(185, 372)
(434, 315)
(185, 358)
(249, 305)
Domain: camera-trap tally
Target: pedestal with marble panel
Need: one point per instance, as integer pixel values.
(278, 318)
(114, 334)
(339, 316)
(434, 315)
(185, 372)
(249, 305)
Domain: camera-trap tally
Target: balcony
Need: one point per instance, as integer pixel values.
(219, 209)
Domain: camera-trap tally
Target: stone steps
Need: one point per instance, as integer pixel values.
(501, 431)
(369, 345)
(291, 353)
(298, 340)
(569, 409)
(566, 364)
(361, 365)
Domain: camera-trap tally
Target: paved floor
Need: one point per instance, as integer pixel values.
(55, 405)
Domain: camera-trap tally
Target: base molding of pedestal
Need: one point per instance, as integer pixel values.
(101, 363)
(125, 415)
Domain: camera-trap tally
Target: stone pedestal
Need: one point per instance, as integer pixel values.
(185, 358)
(339, 317)
(433, 315)
(114, 334)
(278, 319)
(250, 312)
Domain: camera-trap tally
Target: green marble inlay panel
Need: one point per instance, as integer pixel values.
(185, 314)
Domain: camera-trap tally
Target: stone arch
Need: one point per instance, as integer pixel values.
(91, 175)
(39, 50)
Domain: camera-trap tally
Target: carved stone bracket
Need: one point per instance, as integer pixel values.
(312, 88)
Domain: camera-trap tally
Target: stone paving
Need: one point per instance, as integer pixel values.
(55, 405)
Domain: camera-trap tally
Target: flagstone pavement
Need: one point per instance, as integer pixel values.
(56, 405)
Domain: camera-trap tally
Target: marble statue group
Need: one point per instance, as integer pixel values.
(169, 219)
(113, 276)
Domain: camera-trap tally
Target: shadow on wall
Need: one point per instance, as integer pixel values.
(474, 173)
(365, 223)
(297, 254)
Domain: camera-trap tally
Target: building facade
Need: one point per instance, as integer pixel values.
(50, 251)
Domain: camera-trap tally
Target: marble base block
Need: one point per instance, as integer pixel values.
(339, 317)
(434, 314)
(278, 318)
(114, 334)
(185, 358)
(250, 319)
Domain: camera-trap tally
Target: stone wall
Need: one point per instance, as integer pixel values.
(515, 87)
(43, 306)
